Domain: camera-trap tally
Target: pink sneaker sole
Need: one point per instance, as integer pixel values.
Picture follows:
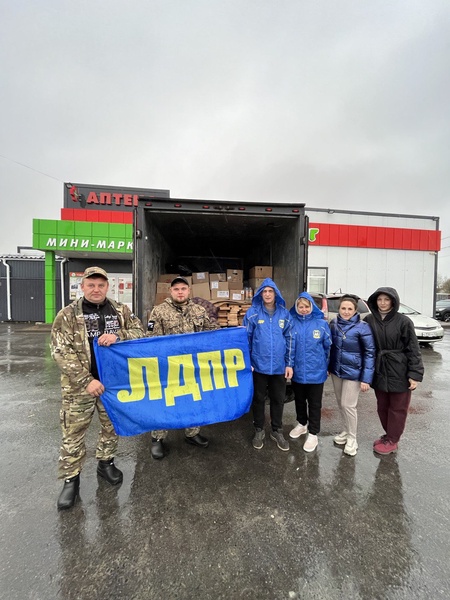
(385, 448)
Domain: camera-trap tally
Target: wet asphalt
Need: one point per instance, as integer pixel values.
(227, 522)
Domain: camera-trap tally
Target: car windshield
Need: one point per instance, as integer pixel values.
(441, 303)
(407, 310)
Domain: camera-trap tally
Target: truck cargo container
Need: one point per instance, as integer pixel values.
(185, 236)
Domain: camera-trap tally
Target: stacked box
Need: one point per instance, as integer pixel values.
(167, 277)
(217, 277)
(201, 290)
(163, 288)
(159, 298)
(218, 285)
(220, 294)
(237, 295)
(255, 283)
(200, 277)
(235, 275)
(260, 272)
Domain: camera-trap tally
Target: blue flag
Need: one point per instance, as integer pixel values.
(176, 381)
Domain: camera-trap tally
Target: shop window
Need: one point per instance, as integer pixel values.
(317, 280)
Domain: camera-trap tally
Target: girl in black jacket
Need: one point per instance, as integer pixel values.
(398, 366)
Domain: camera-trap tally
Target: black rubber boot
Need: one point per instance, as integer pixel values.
(158, 451)
(108, 470)
(69, 494)
(197, 440)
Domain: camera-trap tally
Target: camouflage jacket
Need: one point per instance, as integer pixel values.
(70, 344)
(169, 318)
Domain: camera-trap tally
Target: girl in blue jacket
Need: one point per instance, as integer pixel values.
(312, 342)
(352, 364)
(269, 328)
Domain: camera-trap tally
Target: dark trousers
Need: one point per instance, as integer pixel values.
(392, 410)
(308, 404)
(275, 386)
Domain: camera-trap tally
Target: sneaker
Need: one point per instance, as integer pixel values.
(386, 447)
(351, 447)
(298, 431)
(380, 440)
(341, 438)
(278, 437)
(311, 443)
(258, 439)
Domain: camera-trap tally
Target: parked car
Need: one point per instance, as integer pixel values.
(428, 330)
(329, 305)
(442, 310)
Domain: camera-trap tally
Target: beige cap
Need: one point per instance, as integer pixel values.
(95, 272)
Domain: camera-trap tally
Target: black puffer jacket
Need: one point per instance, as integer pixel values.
(398, 354)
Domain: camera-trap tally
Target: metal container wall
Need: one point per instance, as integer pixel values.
(27, 289)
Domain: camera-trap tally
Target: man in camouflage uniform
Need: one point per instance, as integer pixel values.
(73, 332)
(178, 314)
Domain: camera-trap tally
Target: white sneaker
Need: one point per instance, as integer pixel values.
(351, 447)
(298, 431)
(341, 439)
(311, 443)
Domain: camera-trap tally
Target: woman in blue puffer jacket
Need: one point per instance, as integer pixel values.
(352, 365)
(312, 342)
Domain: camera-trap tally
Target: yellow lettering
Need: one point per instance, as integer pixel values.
(176, 364)
(136, 367)
(234, 361)
(206, 360)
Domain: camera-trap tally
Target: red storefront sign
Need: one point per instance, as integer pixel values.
(365, 236)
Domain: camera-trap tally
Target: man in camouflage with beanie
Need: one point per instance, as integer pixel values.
(178, 314)
(73, 333)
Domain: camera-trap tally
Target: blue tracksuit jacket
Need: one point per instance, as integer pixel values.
(269, 336)
(312, 341)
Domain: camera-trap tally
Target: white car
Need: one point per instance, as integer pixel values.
(428, 330)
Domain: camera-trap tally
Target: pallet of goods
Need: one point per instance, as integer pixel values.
(231, 314)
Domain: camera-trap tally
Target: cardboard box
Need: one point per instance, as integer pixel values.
(159, 298)
(202, 277)
(255, 283)
(217, 277)
(220, 295)
(235, 285)
(260, 272)
(167, 277)
(201, 290)
(235, 275)
(219, 285)
(162, 288)
(237, 295)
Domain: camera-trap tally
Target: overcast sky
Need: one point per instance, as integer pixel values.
(337, 103)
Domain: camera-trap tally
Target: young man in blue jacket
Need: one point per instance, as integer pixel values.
(269, 329)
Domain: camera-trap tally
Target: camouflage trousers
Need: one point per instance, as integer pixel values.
(75, 416)
(161, 434)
